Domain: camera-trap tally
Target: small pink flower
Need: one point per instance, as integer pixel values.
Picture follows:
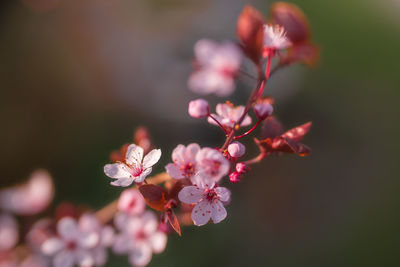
(198, 108)
(8, 232)
(275, 38)
(212, 166)
(135, 169)
(242, 167)
(209, 202)
(139, 237)
(236, 149)
(263, 110)
(131, 202)
(219, 64)
(235, 177)
(29, 198)
(185, 165)
(228, 115)
(73, 246)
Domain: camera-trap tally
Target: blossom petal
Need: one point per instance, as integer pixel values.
(149, 222)
(201, 213)
(140, 255)
(52, 246)
(124, 182)
(151, 158)
(204, 50)
(143, 175)
(191, 151)
(178, 154)
(67, 228)
(134, 155)
(190, 194)
(174, 171)
(117, 171)
(218, 212)
(122, 244)
(100, 256)
(246, 121)
(158, 242)
(223, 193)
(64, 259)
(84, 258)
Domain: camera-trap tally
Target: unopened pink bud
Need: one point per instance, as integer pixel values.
(263, 110)
(198, 108)
(234, 177)
(242, 168)
(236, 149)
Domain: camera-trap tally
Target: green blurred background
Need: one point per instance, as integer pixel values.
(77, 77)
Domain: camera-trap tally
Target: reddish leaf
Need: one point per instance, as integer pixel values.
(154, 195)
(298, 132)
(173, 221)
(296, 147)
(271, 128)
(250, 32)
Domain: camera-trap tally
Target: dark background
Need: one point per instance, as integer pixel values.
(77, 77)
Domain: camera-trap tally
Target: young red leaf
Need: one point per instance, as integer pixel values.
(173, 221)
(298, 132)
(271, 128)
(291, 146)
(250, 32)
(154, 195)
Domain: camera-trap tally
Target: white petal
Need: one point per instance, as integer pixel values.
(174, 171)
(64, 259)
(89, 240)
(178, 154)
(140, 255)
(134, 155)
(117, 171)
(88, 222)
(201, 213)
(107, 236)
(52, 246)
(151, 158)
(246, 121)
(124, 182)
(223, 193)
(84, 258)
(190, 194)
(149, 222)
(143, 175)
(67, 228)
(120, 220)
(218, 212)
(158, 241)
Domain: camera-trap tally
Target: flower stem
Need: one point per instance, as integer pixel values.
(248, 132)
(219, 124)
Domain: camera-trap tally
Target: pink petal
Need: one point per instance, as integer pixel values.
(52, 246)
(218, 212)
(124, 182)
(149, 222)
(122, 244)
(140, 255)
(67, 228)
(201, 213)
(151, 158)
(204, 50)
(158, 242)
(8, 232)
(134, 155)
(178, 154)
(190, 194)
(117, 171)
(132, 202)
(174, 171)
(64, 259)
(143, 175)
(223, 193)
(191, 151)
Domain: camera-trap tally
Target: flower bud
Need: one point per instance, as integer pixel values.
(263, 110)
(242, 168)
(236, 149)
(198, 108)
(234, 177)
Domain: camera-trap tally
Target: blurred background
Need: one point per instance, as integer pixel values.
(77, 77)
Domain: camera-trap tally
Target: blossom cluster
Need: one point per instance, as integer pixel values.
(193, 189)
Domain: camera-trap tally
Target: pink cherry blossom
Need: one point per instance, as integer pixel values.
(139, 237)
(236, 149)
(8, 232)
(131, 202)
(184, 158)
(208, 202)
(198, 108)
(219, 64)
(29, 198)
(135, 168)
(275, 38)
(228, 115)
(263, 110)
(212, 166)
(73, 245)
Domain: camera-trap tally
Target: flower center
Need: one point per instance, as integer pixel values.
(136, 170)
(211, 195)
(71, 245)
(188, 170)
(141, 235)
